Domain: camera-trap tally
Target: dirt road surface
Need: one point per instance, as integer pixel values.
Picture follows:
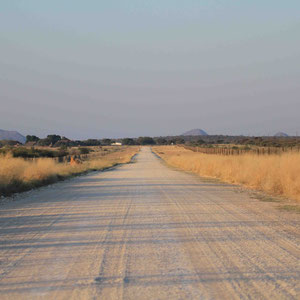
(146, 231)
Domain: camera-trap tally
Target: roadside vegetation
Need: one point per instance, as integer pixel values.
(18, 174)
(277, 174)
(281, 143)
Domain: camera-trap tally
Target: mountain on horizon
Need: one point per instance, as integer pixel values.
(195, 132)
(12, 135)
(281, 134)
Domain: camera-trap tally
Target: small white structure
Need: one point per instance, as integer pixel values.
(116, 144)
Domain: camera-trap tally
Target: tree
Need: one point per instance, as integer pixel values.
(161, 141)
(179, 141)
(128, 141)
(106, 142)
(145, 140)
(200, 142)
(53, 138)
(32, 138)
(91, 142)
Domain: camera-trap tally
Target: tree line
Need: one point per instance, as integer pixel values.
(54, 140)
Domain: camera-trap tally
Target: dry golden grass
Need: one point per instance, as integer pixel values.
(274, 174)
(17, 174)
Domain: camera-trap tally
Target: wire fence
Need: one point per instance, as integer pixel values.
(241, 151)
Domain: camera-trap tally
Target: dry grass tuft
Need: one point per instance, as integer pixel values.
(274, 174)
(17, 174)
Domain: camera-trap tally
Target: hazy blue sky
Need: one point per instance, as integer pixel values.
(130, 68)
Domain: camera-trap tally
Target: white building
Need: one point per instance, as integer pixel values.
(116, 144)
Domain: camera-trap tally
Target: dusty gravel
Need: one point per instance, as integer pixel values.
(146, 231)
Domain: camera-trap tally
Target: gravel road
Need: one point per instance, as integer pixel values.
(147, 231)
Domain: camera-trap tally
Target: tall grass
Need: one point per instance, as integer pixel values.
(17, 174)
(274, 174)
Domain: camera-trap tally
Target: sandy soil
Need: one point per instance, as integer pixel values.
(146, 231)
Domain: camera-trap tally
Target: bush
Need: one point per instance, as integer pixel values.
(4, 143)
(35, 153)
(84, 150)
(246, 148)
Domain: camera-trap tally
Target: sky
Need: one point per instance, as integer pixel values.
(120, 68)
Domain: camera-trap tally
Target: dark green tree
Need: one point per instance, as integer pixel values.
(91, 142)
(200, 142)
(161, 141)
(179, 141)
(128, 141)
(106, 142)
(32, 138)
(53, 138)
(145, 140)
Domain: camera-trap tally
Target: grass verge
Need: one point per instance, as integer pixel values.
(19, 175)
(274, 174)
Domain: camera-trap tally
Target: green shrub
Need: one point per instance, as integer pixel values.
(84, 150)
(35, 153)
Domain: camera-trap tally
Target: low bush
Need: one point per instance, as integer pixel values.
(84, 150)
(36, 153)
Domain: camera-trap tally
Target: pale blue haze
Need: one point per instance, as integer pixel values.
(130, 68)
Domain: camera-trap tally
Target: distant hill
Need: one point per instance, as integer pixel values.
(12, 135)
(195, 132)
(281, 134)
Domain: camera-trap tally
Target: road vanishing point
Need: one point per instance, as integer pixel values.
(146, 231)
